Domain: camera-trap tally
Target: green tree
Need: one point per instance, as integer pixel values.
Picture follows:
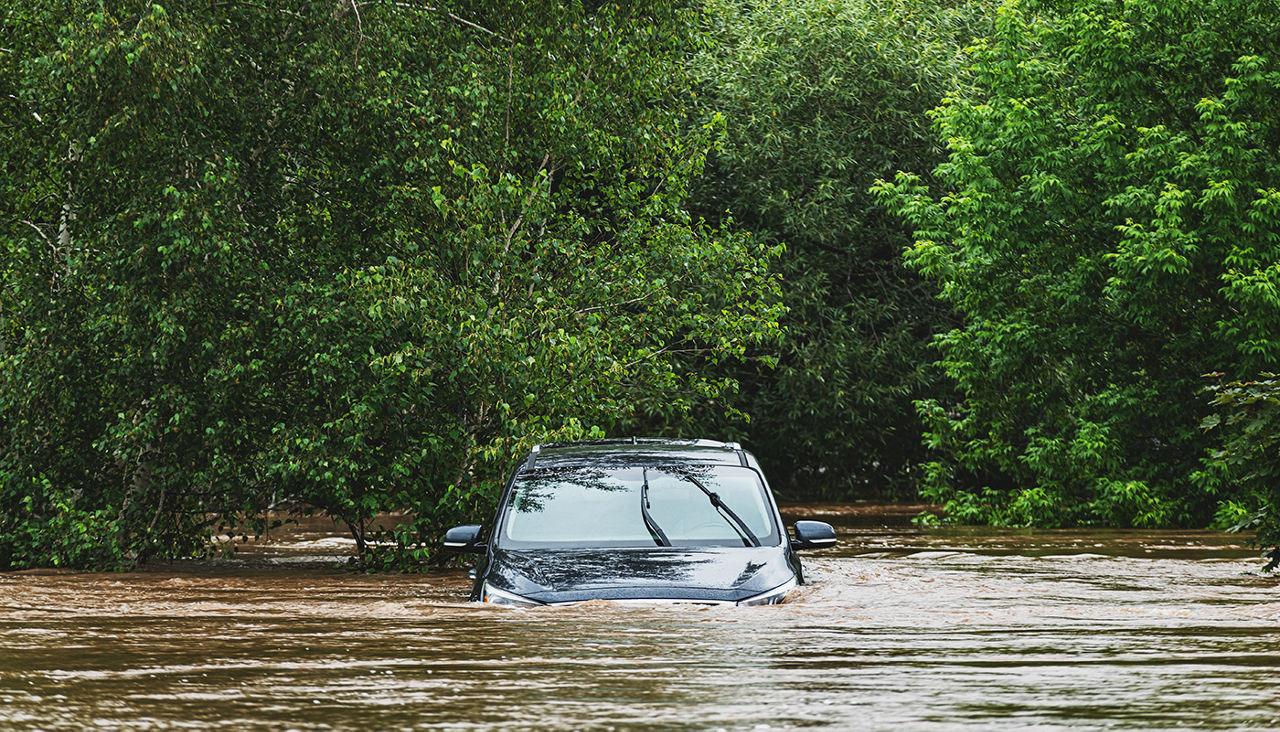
(819, 99)
(1109, 231)
(345, 256)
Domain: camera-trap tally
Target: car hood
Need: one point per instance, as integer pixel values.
(717, 574)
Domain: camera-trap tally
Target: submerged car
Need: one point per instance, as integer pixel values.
(637, 520)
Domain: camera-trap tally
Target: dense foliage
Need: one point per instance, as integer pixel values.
(820, 98)
(1248, 420)
(1110, 232)
(343, 256)
(353, 257)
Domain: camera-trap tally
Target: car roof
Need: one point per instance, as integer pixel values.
(636, 451)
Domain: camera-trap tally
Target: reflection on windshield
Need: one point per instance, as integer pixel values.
(605, 507)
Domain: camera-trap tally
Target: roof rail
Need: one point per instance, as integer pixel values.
(639, 441)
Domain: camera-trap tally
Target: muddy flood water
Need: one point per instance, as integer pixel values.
(898, 629)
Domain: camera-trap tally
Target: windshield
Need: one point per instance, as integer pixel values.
(606, 507)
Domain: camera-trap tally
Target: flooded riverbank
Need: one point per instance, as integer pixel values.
(898, 628)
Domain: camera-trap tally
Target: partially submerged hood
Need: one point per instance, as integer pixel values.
(720, 574)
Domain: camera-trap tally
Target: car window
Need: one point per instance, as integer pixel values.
(685, 513)
(601, 507)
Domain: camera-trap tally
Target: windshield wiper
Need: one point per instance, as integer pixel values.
(658, 535)
(748, 538)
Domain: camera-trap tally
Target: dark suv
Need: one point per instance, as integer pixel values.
(637, 519)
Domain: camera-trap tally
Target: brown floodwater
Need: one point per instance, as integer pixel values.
(898, 629)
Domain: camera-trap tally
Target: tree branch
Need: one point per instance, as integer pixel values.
(613, 305)
(670, 348)
(38, 231)
(451, 16)
(515, 227)
(360, 35)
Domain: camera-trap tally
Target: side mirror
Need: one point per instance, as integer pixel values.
(813, 535)
(464, 538)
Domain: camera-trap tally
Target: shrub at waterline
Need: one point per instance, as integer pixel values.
(1248, 423)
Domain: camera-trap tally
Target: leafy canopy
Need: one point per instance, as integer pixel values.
(1108, 228)
(820, 98)
(345, 256)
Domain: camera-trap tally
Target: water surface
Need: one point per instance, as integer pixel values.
(898, 629)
